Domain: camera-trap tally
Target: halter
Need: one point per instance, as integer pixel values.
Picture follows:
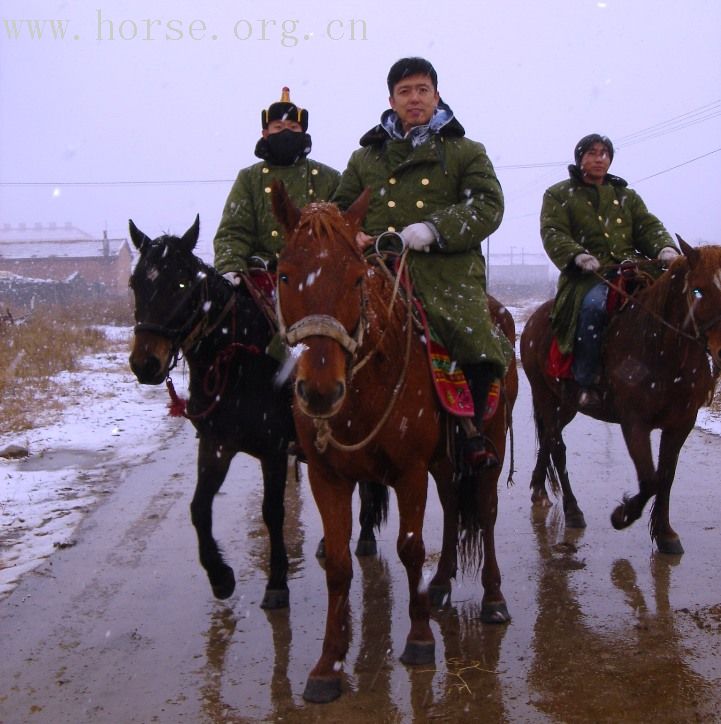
(323, 325)
(195, 327)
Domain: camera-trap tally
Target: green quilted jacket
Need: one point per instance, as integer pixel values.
(449, 181)
(248, 227)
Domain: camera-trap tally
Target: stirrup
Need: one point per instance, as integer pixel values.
(479, 453)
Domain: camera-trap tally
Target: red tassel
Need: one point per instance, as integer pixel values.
(177, 405)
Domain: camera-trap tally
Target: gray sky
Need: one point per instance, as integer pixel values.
(171, 91)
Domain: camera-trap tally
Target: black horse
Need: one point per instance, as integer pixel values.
(236, 404)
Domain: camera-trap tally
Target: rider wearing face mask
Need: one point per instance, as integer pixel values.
(249, 234)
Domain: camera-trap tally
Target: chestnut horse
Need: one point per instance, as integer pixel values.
(661, 356)
(365, 409)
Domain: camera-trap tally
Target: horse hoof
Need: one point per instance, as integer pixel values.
(322, 690)
(495, 613)
(670, 546)
(366, 548)
(277, 598)
(439, 596)
(619, 519)
(224, 585)
(541, 500)
(419, 652)
(575, 519)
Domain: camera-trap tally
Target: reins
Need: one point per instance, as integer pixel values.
(326, 326)
(631, 298)
(217, 375)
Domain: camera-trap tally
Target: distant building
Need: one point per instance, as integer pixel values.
(519, 274)
(61, 253)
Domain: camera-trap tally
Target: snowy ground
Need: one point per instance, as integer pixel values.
(109, 422)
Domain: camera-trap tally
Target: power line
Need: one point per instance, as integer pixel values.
(678, 165)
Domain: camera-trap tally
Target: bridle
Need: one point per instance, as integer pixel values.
(195, 327)
(323, 325)
(700, 331)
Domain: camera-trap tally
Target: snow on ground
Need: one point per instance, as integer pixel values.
(109, 421)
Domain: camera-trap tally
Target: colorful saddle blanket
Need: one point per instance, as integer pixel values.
(448, 378)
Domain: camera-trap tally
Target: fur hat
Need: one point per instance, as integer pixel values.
(587, 141)
(284, 110)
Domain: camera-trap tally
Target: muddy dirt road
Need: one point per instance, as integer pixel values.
(122, 627)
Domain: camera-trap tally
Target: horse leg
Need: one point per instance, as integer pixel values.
(572, 513)
(213, 463)
(665, 536)
(275, 472)
(493, 605)
(334, 500)
(439, 589)
(551, 462)
(411, 494)
(370, 516)
(638, 442)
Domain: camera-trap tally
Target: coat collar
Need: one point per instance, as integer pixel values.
(443, 123)
(575, 173)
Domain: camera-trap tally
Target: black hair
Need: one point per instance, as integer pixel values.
(411, 66)
(587, 141)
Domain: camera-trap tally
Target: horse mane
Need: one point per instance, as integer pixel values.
(324, 220)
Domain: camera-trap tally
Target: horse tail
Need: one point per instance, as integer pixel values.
(470, 522)
(374, 503)
(541, 440)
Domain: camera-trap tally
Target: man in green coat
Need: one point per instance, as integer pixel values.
(438, 190)
(589, 223)
(249, 232)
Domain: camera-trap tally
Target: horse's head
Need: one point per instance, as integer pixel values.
(166, 283)
(703, 286)
(321, 296)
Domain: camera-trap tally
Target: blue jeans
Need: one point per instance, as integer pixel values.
(592, 320)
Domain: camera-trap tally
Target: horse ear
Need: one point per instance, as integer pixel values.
(357, 210)
(283, 207)
(139, 239)
(688, 251)
(190, 237)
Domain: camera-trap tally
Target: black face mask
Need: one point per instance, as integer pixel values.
(287, 147)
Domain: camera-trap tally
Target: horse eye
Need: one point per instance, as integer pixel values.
(697, 293)
(181, 285)
(283, 278)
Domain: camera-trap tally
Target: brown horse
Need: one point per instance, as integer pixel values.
(365, 409)
(657, 374)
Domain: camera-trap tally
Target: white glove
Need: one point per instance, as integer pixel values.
(418, 236)
(667, 254)
(233, 278)
(586, 263)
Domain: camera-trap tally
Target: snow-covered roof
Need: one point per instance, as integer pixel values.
(42, 232)
(61, 248)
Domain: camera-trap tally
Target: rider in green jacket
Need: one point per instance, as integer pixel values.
(248, 231)
(589, 223)
(438, 190)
